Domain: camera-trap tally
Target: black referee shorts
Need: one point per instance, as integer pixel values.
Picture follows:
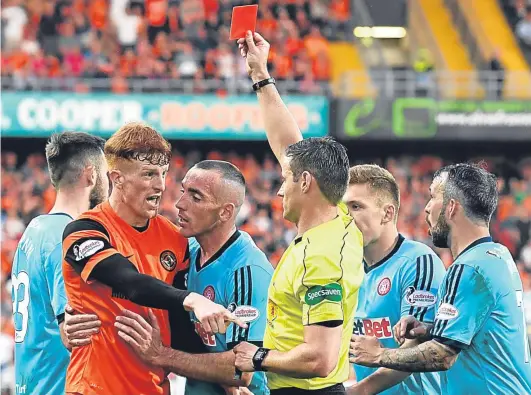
(335, 389)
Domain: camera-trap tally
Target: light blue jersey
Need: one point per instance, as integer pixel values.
(238, 278)
(39, 298)
(481, 312)
(404, 283)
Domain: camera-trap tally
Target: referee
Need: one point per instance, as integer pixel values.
(314, 289)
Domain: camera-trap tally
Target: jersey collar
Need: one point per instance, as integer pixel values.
(368, 268)
(214, 257)
(482, 240)
(61, 213)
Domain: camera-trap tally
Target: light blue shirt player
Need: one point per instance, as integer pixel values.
(481, 312)
(237, 277)
(404, 283)
(39, 298)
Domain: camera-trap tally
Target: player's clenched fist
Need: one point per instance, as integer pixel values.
(255, 49)
(365, 350)
(409, 328)
(214, 317)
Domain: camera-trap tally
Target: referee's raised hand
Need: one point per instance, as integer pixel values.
(255, 49)
(213, 317)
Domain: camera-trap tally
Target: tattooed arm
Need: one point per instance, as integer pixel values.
(430, 356)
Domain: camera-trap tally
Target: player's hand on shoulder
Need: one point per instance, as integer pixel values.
(79, 328)
(214, 317)
(409, 328)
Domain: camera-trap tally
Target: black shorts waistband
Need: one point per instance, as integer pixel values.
(336, 389)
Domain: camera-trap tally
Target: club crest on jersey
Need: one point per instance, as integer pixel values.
(377, 327)
(446, 312)
(419, 298)
(87, 248)
(168, 260)
(384, 286)
(272, 311)
(209, 293)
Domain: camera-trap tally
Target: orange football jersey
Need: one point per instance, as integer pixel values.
(108, 365)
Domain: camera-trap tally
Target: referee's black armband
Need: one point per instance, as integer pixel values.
(329, 324)
(122, 276)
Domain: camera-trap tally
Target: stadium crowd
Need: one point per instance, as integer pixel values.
(125, 41)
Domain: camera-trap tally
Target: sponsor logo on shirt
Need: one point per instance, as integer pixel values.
(244, 313)
(87, 248)
(384, 286)
(446, 312)
(209, 293)
(419, 298)
(168, 260)
(378, 327)
(319, 293)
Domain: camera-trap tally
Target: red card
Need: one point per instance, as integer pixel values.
(243, 19)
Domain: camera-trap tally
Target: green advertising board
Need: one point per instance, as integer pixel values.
(426, 118)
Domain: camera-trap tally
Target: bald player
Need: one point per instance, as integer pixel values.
(225, 266)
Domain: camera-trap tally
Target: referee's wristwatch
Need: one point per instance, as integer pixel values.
(259, 357)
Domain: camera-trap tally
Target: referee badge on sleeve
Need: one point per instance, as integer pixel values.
(318, 293)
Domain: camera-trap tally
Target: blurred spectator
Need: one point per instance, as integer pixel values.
(423, 66)
(497, 82)
(523, 28)
(14, 19)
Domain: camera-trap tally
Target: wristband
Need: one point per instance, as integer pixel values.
(261, 84)
(258, 359)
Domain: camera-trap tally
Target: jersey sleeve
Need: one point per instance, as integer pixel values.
(53, 272)
(246, 297)
(318, 289)
(464, 305)
(419, 287)
(85, 244)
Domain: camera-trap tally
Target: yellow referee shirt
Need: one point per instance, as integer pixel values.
(316, 280)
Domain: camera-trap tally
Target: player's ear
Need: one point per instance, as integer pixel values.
(389, 211)
(116, 177)
(452, 208)
(90, 174)
(306, 181)
(227, 212)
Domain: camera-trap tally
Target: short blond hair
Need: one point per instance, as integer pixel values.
(137, 141)
(379, 180)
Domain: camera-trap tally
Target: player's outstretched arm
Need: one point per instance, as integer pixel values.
(431, 356)
(280, 126)
(382, 379)
(103, 263)
(144, 337)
